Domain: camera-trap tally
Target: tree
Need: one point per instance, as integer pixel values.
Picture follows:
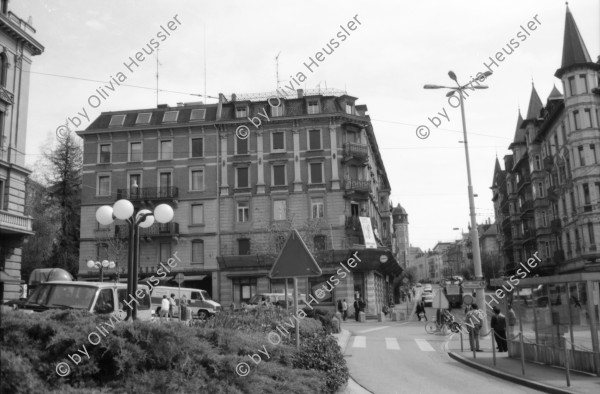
(64, 189)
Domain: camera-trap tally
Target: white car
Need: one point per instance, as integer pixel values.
(428, 287)
(427, 297)
(198, 301)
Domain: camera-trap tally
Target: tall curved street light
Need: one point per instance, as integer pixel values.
(101, 265)
(124, 210)
(480, 295)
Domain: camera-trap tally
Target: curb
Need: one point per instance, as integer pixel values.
(506, 376)
(351, 386)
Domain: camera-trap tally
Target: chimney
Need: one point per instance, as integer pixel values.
(233, 97)
(300, 93)
(180, 104)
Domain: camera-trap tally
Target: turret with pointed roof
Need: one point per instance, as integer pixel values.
(535, 104)
(574, 51)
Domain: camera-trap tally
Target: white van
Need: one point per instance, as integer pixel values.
(198, 301)
(273, 299)
(94, 297)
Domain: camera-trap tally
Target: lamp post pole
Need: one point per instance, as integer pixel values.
(480, 294)
(124, 210)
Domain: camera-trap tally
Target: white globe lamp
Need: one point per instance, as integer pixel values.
(163, 213)
(123, 209)
(104, 215)
(91, 264)
(149, 221)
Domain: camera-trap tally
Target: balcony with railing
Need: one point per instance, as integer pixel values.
(524, 180)
(156, 230)
(357, 186)
(16, 223)
(170, 193)
(526, 206)
(356, 152)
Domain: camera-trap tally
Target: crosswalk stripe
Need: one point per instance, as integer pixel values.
(360, 341)
(373, 329)
(391, 344)
(424, 346)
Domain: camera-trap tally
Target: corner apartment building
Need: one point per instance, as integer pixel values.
(548, 197)
(17, 48)
(313, 163)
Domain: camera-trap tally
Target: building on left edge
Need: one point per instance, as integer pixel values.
(17, 48)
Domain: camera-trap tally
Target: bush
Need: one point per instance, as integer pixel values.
(167, 357)
(322, 353)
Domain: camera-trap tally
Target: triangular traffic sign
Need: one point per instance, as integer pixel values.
(295, 260)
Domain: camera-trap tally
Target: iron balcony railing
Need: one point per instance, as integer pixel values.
(156, 230)
(356, 150)
(149, 193)
(357, 185)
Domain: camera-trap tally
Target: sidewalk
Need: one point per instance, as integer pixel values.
(351, 387)
(537, 376)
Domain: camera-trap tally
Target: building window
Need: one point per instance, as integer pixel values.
(170, 116)
(279, 210)
(573, 208)
(544, 219)
(243, 211)
(590, 227)
(572, 86)
(581, 156)
(349, 109)
(241, 112)
(197, 214)
(105, 150)
(242, 177)
(198, 114)
(537, 162)
(541, 189)
(583, 83)
(279, 175)
(143, 118)
(197, 180)
(198, 251)
(197, 147)
(243, 246)
(135, 183)
(166, 150)
(241, 146)
(586, 194)
(1, 194)
(577, 120)
(278, 140)
(243, 289)
(316, 172)
(320, 242)
(313, 107)
(3, 60)
(593, 155)
(276, 111)
(135, 151)
(587, 118)
(165, 252)
(116, 120)
(320, 283)
(317, 208)
(102, 252)
(103, 185)
(314, 139)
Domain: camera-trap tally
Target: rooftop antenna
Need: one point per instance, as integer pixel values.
(277, 68)
(157, 63)
(205, 63)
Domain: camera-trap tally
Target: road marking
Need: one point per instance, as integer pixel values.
(360, 341)
(424, 346)
(373, 329)
(391, 344)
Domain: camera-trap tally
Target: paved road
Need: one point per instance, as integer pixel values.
(395, 358)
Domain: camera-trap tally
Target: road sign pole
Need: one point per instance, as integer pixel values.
(179, 301)
(286, 296)
(296, 312)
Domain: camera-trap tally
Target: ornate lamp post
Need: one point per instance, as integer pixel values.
(124, 210)
(101, 266)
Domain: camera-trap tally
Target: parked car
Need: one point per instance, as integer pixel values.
(427, 287)
(427, 298)
(199, 302)
(94, 297)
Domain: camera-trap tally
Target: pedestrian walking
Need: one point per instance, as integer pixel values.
(474, 321)
(164, 307)
(512, 320)
(172, 304)
(340, 307)
(344, 309)
(498, 323)
(356, 309)
(421, 309)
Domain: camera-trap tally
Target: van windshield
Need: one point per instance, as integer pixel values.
(205, 295)
(72, 296)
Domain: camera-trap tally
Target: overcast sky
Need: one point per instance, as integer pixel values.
(398, 47)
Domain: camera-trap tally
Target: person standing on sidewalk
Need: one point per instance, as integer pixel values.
(474, 321)
(344, 309)
(512, 320)
(499, 325)
(356, 309)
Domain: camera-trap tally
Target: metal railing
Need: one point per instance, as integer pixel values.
(149, 193)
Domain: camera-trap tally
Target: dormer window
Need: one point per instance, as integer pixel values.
(313, 107)
(349, 109)
(198, 114)
(116, 120)
(241, 112)
(170, 116)
(143, 118)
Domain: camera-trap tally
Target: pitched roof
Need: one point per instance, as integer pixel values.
(519, 132)
(497, 170)
(555, 94)
(574, 50)
(535, 104)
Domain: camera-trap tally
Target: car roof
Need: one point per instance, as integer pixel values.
(101, 285)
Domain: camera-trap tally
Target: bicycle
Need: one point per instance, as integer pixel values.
(446, 326)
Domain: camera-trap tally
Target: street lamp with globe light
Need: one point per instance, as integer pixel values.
(480, 297)
(124, 210)
(104, 264)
